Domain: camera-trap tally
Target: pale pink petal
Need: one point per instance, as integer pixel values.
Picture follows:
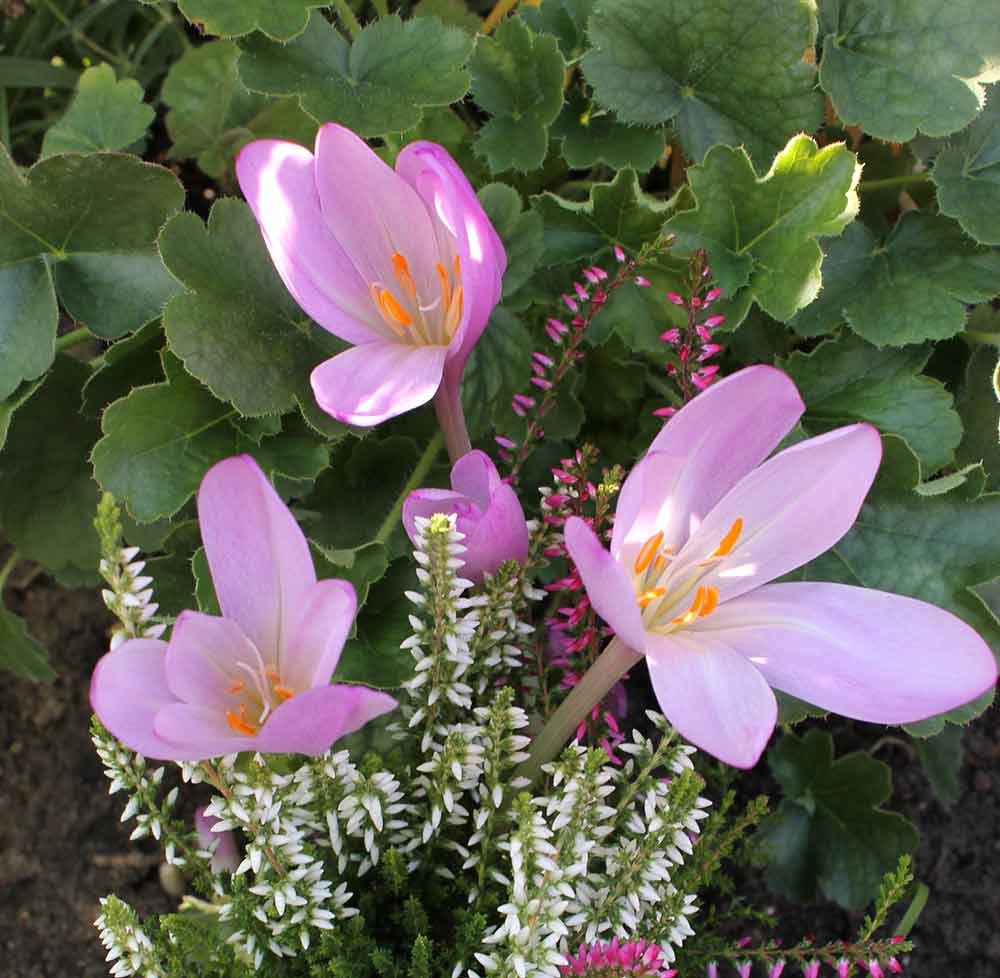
(277, 178)
(501, 534)
(325, 619)
(225, 852)
(127, 689)
(373, 212)
(713, 696)
(707, 447)
(857, 652)
(462, 228)
(425, 503)
(204, 659)
(608, 586)
(369, 384)
(794, 507)
(196, 733)
(260, 561)
(474, 475)
(311, 722)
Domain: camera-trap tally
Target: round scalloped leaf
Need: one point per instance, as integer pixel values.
(280, 20)
(732, 71)
(894, 67)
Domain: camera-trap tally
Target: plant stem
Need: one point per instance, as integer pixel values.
(381, 7)
(347, 18)
(7, 568)
(978, 336)
(610, 666)
(889, 183)
(73, 338)
(500, 10)
(451, 417)
(417, 476)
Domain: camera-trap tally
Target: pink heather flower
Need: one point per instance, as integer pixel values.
(570, 302)
(776, 969)
(843, 968)
(222, 845)
(619, 254)
(488, 513)
(811, 970)
(642, 281)
(712, 971)
(257, 678)
(895, 967)
(744, 968)
(713, 321)
(875, 969)
(403, 263)
(703, 525)
(620, 959)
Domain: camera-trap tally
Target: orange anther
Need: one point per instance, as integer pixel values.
(272, 673)
(729, 540)
(239, 723)
(711, 600)
(648, 551)
(392, 309)
(445, 285)
(689, 616)
(643, 599)
(458, 268)
(402, 270)
(283, 691)
(237, 686)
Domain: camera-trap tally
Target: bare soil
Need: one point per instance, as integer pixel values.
(62, 846)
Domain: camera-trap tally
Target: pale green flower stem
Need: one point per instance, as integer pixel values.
(610, 666)
(417, 476)
(451, 418)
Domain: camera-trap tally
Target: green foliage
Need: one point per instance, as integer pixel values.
(378, 83)
(760, 232)
(280, 20)
(657, 61)
(897, 66)
(911, 286)
(517, 76)
(979, 407)
(829, 835)
(106, 114)
(20, 653)
(941, 756)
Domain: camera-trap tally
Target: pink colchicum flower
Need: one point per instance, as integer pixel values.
(703, 524)
(225, 854)
(257, 678)
(403, 263)
(487, 511)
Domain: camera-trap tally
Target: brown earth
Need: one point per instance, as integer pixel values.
(62, 846)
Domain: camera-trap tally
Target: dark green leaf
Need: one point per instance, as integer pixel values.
(29, 316)
(731, 71)
(131, 362)
(517, 77)
(565, 19)
(829, 835)
(35, 73)
(376, 84)
(980, 410)
(47, 495)
(522, 233)
(760, 232)
(895, 66)
(20, 653)
(941, 756)
(911, 287)
(847, 380)
(280, 20)
(105, 114)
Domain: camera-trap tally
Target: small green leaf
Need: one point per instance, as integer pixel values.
(730, 72)
(376, 84)
(847, 380)
(29, 316)
(158, 443)
(967, 174)
(617, 213)
(591, 136)
(261, 347)
(47, 495)
(829, 835)
(9, 406)
(20, 653)
(131, 362)
(451, 13)
(280, 20)
(980, 410)
(521, 231)
(104, 114)
(911, 287)
(941, 757)
(362, 566)
(517, 77)
(760, 232)
(566, 20)
(497, 369)
(895, 66)
(95, 219)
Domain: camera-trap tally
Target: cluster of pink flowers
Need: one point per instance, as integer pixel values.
(618, 960)
(839, 956)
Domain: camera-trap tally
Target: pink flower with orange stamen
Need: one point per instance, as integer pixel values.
(403, 263)
(258, 678)
(704, 524)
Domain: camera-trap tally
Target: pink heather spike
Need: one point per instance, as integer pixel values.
(642, 281)
(542, 359)
(665, 412)
(553, 334)
(581, 293)
(713, 321)
(619, 254)
(590, 276)
(599, 272)
(671, 336)
(712, 295)
(703, 333)
(570, 302)
(542, 383)
(558, 325)
(709, 350)
(524, 400)
(895, 967)
(517, 409)
(675, 299)
(505, 442)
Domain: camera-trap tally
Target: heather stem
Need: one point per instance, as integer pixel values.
(451, 417)
(610, 666)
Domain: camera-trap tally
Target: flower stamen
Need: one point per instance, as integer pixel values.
(727, 543)
(240, 722)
